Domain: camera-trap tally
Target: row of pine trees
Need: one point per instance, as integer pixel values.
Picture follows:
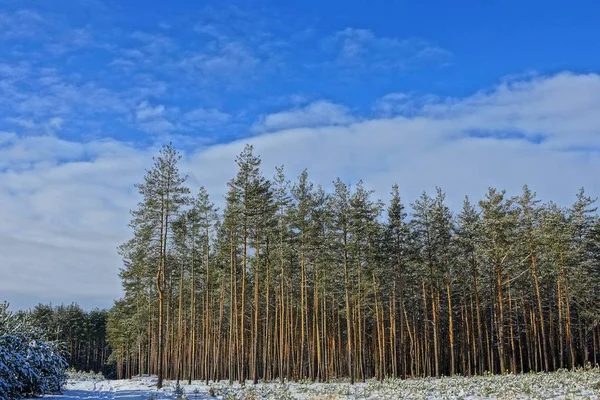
(82, 334)
(290, 281)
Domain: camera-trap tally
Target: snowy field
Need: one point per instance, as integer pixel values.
(558, 385)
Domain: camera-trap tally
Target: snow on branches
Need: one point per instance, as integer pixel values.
(29, 365)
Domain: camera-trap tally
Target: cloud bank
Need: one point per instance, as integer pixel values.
(64, 203)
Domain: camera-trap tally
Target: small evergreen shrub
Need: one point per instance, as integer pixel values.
(72, 373)
(178, 392)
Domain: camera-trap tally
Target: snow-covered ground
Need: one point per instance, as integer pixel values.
(558, 385)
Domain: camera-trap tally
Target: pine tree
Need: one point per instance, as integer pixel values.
(467, 236)
(163, 194)
(300, 216)
(321, 250)
(529, 238)
(250, 197)
(498, 223)
(340, 206)
(444, 250)
(583, 269)
(203, 218)
(364, 232)
(396, 237)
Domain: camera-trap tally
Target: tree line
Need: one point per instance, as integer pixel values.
(291, 281)
(81, 333)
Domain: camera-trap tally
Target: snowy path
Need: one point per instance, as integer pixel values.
(559, 386)
(140, 389)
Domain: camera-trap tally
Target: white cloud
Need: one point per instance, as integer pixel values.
(362, 48)
(206, 117)
(318, 113)
(14, 71)
(64, 205)
(43, 93)
(153, 119)
(403, 103)
(56, 122)
(220, 56)
(6, 137)
(228, 60)
(563, 108)
(61, 207)
(22, 122)
(20, 24)
(154, 44)
(72, 40)
(159, 126)
(145, 111)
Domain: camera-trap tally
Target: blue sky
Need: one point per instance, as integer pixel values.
(462, 95)
(213, 69)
